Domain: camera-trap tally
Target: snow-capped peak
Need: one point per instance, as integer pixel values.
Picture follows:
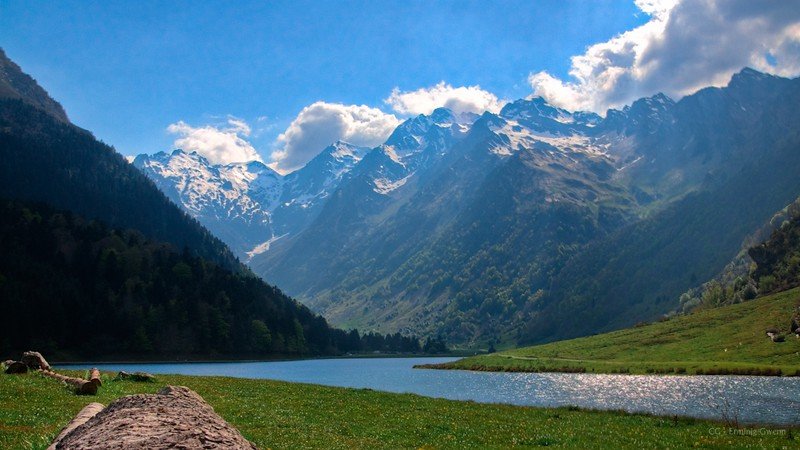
(341, 149)
(538, 115)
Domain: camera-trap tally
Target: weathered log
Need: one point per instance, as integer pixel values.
(14, 367)
(136, 376)
(176, 417)
(94, 376)
(81, 418)
(35, 361)
(81, 387)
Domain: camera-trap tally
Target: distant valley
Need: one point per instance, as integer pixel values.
(500, 227)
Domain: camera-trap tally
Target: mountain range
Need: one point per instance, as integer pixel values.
(528, 225)
(249, 205)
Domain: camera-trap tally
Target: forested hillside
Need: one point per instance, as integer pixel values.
(778, 259)
(47, 160)
(79, 289)
(96, 262)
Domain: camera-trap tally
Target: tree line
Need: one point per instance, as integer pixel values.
(76, 288)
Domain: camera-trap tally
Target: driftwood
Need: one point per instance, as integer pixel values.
(81, 418)
(81, 387)
(14, 367)
(176, 417)
(94, 377)
(136, 376)
(35, 361)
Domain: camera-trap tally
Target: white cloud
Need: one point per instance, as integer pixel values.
(320, 124)
(459, 99)
(220, 145)
(686, 45)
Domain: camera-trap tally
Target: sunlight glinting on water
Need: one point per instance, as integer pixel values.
(772, 400)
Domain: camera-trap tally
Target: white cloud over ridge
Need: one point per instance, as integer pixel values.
(220, 145)
(686, 45)
(459, 99)
(321, 123)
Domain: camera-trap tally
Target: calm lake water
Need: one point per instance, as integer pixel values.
(768, 400)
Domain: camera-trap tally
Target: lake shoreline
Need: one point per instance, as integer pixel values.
(255, 360)
(307, 415)
(622, 369)
(689, 396)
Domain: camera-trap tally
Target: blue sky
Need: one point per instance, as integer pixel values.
(126, 70)
(129, 70)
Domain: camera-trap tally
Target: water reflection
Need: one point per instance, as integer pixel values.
(746, 399)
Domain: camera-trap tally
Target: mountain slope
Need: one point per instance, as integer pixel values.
(658, 258)
(726, 340)
(778, 259)
(50, 161)
(16, 84)
(717, 339)
(248, 205)
(233, 200)
(113, 293)
(306, 190)
(91, 262)
(409, 251)
(538, 224)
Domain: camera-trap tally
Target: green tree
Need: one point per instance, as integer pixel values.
(261, 337)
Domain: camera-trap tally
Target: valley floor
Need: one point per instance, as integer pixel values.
(727, 340)
(287, 415)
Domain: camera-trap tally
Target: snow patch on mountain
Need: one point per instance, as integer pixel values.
(263, 247)
(384, 186)
(515, 137)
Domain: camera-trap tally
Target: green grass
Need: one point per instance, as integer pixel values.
(725, 340)
(288, 415)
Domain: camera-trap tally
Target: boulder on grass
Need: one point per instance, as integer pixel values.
(176, 417)
(135, 376)
(14, 367)
(35, 361)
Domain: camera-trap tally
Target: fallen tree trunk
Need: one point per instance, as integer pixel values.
(81, 418)
(14, 367)
(81, 387)
(176, 417)
(35, 361)
(94, 376)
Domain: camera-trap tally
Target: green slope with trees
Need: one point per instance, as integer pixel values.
(726, 340)
(725, 333)
(96, 262)
(78, 289)
(47, 160)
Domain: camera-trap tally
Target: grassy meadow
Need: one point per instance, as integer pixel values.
(281, 415)
(726, 340)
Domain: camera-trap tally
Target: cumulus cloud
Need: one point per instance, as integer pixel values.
(220, 145)
(320, 124)
(686, 45)
(459, 99)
